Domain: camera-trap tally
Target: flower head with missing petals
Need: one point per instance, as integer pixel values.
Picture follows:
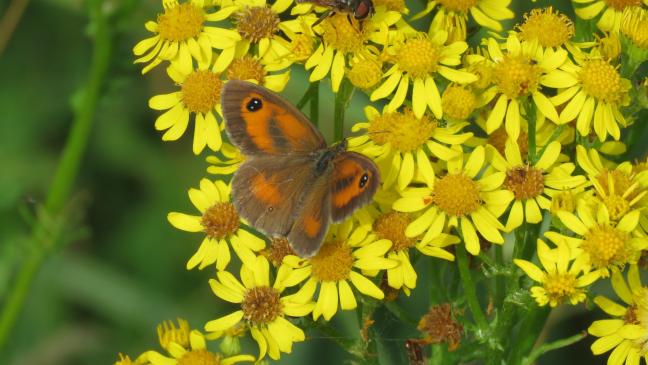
(561, 280)
(188, 347)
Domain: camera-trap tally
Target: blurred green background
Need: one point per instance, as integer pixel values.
(119, 270)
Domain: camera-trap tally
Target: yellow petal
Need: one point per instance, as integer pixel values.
(224, 323)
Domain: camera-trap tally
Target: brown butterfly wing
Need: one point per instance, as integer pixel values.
(260, 122)
(311, 223)
(354, 182)
(268, 191)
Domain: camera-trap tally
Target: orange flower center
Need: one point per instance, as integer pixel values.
(456, 194)
(262, 305)
(333, 262)
(220, 220)
(181, 22)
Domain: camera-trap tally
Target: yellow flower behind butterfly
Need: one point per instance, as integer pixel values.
(347, 255)
(226, 164)
(452, 16)
(259, 25)
(219, 221)
(462, 200)
(391, 226)
(627, 331)
(199, 96)
(263, 309)
(187, 346)
(182, 34)
(343, 40)
(416, 60)
(531, 182)
(561, 280)
(402, 144)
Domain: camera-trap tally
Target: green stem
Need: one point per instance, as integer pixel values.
(342, 99)
(531, 326)
(66, 171)
(308, 95)
(470, 290)
(543, 349)
(314, 104)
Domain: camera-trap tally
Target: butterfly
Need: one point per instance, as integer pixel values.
(291, 184)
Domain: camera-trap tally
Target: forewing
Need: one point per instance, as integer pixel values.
(259, 121)
(268, 190)
(354, 182)
(311, 223)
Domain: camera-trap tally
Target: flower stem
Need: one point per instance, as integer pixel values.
(543, 349)
(342, 99)
(66, 171)
(314, 104)
(470, 290)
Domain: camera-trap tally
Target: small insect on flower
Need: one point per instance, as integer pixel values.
(360, 9)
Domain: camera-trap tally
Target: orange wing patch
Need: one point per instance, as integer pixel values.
(265, 190)
(294, 130)
(312, 225)
(257, 124)
(350, 172)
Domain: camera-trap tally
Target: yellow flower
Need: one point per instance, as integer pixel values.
(181, 34)
(459, 200)
(344, 250)
(200, 95)
(559, 280)
(391, 226)
(627, 331)
(417, 60)
(619, 188)
(231, 160)
(635, 26)
(593, 91)
(126, 360)
(258, 70)
(259, 24)
(611, 12)
(452, 15)
(401, 144)
(602, 244)
(519, 73)
(530, 182)
(188, 348)
(219, 221)
(549, 28)
(301, 37)
(263, 310)
(343, 39)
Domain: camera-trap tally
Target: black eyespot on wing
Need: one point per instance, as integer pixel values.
(363, 180)
(254, 104)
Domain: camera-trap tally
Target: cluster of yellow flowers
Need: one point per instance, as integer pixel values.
(514, 140)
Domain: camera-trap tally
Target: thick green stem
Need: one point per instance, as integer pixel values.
(342, 99)
(66, 172)
(470, 290)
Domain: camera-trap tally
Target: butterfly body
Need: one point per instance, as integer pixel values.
(291, 184)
